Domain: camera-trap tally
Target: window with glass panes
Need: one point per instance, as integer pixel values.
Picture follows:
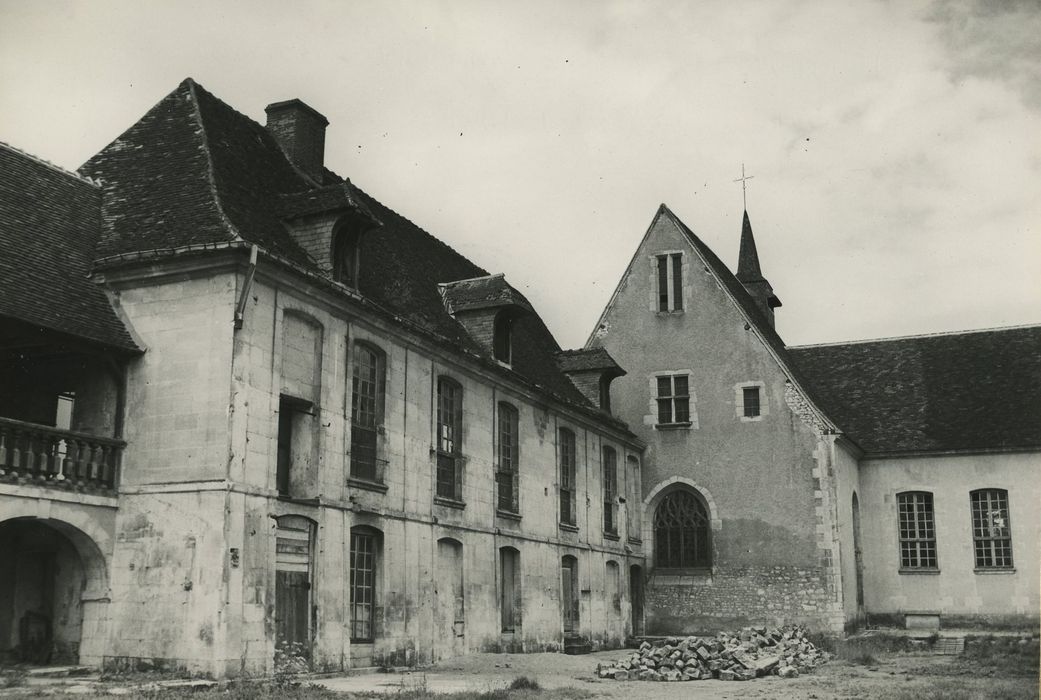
(362, 584)
(507, 475)
(991, 530)
(449, 436)
(610, 464)
(917, 530)
(681, 532)
(566, 448)
(751, 401)
(673, 399)
(366, 410)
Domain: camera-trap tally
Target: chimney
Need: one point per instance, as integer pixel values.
(300, 130)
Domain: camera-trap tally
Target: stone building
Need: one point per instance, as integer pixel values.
(247, 408)
(894, 480)
(244, 406)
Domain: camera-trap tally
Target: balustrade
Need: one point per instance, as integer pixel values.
(46, 455)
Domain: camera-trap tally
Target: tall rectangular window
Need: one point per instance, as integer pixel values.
(293, 444)
(362, 584)
(670, 282)
(507, 474)
(366, 411)
(449, 439)
(610, 464)
(991, 530)
(917, 530)
(751, 401)
(673, 399)
(566, 457)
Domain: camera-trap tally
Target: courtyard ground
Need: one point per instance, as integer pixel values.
(995, 668)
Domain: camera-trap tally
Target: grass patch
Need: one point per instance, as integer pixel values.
(947, 689)
(524, 683)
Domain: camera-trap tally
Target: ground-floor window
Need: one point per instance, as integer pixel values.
(917, 530)
(681, 532)
(363, 583)
(991, 532)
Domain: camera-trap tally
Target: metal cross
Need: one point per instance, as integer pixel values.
(742, 180)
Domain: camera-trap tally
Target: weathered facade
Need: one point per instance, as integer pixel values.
(819, 484)
(328, 435)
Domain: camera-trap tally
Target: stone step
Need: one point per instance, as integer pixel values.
(59, 671)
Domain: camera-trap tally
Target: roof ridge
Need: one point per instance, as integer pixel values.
(42, 161)
(938, 334)
(211, 177)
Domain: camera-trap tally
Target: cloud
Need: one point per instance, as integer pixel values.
(993, 39)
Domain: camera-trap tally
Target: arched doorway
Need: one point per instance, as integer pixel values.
(858, 556)
(49, 573)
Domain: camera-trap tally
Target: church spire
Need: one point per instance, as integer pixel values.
(751, 275)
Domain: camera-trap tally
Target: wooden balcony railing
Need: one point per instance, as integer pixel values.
(57, 457)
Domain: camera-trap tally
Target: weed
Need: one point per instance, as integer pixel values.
(13, 678)
(524, 683)
(290, 661)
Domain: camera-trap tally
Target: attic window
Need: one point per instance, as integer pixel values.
(502, 341)
(345, 257)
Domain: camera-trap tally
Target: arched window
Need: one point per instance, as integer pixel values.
(681, 532)
(367, 390)
(345, 256)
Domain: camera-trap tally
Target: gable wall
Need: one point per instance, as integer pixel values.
(769, 561)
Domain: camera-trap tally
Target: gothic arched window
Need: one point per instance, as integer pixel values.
(681, 532)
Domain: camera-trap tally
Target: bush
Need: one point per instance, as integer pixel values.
(524, 683)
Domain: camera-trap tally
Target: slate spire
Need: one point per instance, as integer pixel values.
(751, 275)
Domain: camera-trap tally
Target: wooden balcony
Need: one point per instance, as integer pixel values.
(47, 456)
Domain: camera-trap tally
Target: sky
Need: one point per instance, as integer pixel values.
(894, 147)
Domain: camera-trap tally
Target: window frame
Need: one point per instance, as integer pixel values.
(668, 281)
(609, 479)
(696, 558)
(980, 542)
(448, 440)
(916, 532)
(374, 552)
(672, 400)
(567, 457)
(507, 468)
(372, 425)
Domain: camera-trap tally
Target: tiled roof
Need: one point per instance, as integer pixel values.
(588, 360)
(49, 226)
(195, 171)
(978, 390)
(485, 292)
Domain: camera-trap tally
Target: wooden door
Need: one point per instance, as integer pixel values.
(569, 595)
(293, 586)
(450, 602)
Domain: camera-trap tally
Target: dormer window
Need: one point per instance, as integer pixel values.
(345, 257)
(502, 341)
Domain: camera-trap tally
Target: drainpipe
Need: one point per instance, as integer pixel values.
(247, 287)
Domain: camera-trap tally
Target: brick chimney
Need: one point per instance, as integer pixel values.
(300, 130)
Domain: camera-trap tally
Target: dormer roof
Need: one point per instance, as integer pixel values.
(487, 292)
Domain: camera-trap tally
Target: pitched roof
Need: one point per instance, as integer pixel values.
(748, 258)
(485, 292)
(589, 360)
(978, 390)
(51, 220)
(193, 171)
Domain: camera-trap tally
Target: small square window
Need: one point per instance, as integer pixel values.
(673, 399)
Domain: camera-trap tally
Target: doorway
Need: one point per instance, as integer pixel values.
(858, 556)
(569, 594)
(636, 599)
(450, 603)
(293, 549)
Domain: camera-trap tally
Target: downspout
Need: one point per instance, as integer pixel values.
(247, 286)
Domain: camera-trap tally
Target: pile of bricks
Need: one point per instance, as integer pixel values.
(754, 651)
